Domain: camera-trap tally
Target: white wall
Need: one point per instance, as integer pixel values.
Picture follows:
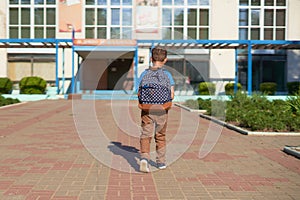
(224, 20)
(3, 57)
(293, 23)
(145, 65)
(293, 27)
(224, 25)
(3, 64)
(222, 66)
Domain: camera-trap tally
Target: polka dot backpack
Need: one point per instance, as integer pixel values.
(155, 88)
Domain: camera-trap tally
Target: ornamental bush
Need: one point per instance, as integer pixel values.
(293, 104)
(190, 103)
(207, 88)
(229, 88)
(5, 86)
(256, 112)
(7, 101)
(268, 88)
(204, 104)
(293, 87)
(32, 85)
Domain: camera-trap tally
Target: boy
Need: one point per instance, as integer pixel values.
(154, 116)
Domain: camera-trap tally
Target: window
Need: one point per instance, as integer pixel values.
(32, 19)
(262, 19)
(185, 19)
(195, 70)
(27, 64)
(108, 22)
(115, 16)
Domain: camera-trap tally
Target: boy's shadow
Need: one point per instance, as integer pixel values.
(131, 154)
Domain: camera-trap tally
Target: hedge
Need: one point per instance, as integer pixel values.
(256, 112)
(229, 88)
(293, 87)
(5, 86)
(7, 101)
(268, 88)
(207, 88)
(32, 85)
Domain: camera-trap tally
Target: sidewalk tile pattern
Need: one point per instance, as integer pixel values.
(42, 157)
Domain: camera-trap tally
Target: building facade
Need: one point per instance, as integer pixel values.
(129, 20)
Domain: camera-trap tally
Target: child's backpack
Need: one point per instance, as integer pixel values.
(155, 88)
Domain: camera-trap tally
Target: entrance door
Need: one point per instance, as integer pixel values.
(117, 74)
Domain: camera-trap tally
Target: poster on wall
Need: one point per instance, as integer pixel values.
(147, 18)
(70, 15)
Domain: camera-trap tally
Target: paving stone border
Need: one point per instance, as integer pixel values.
(12, 105)
(236, 128)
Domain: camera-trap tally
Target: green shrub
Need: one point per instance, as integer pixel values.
(204, 104)
(190, 103)
(7, 101)
(293, 104)
(217, 109)
(229, 88)
(293, 87)
(257, 113)
(268, 88)
(207, 88)
(236, 106)
(32, 85)
(5, 86)
(293, 123)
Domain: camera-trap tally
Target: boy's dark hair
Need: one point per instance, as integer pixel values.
(159, 54)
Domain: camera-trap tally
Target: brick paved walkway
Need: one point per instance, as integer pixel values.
(43, 157)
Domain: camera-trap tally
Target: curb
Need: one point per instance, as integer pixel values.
(236, 128)
(292, 150)
(189, 109)
(12, 105)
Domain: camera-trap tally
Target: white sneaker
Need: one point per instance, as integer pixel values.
(161, 166)
(144, 166)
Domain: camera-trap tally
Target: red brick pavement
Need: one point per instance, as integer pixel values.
(42, 157)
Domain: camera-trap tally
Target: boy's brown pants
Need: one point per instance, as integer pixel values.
(154, 122)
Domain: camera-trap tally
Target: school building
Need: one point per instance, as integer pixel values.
(84, 46)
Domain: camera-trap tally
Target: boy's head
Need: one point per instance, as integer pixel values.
(159, 54)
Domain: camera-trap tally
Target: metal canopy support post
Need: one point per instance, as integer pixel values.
(150, 54)
(73, 63)
(56, 67)
(63, 72)
(249, 68)
(78, 73)
(136, 60)
(236, 79)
